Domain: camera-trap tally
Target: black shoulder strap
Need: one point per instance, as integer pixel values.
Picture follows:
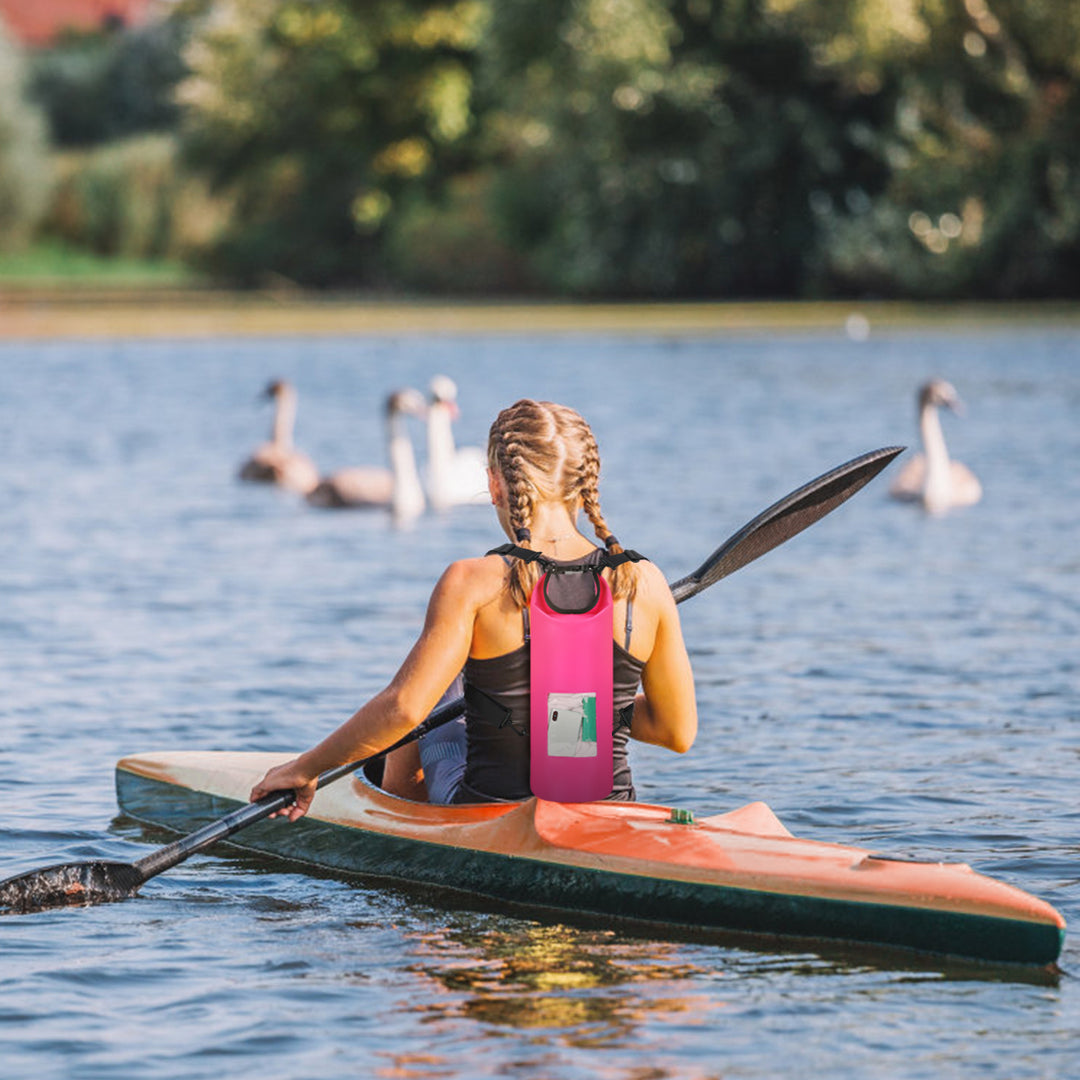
(629, 555)
(605, 561)
(519, 553)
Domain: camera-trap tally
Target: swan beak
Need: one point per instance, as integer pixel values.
(271, 392)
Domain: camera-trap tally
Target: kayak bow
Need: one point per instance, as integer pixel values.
(741, 871)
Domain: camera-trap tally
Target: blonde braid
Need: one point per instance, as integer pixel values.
(523, 575)
(623, 578)
(508, 456)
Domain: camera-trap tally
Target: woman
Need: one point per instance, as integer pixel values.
(544, 468)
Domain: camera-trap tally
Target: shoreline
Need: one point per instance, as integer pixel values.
(36, 313)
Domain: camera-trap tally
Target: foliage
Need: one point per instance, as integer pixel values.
(132, 199)
(106, 85)
(654, 148)
(453, 245)
(24, 171)
(983, 155)
(326, 120)
(790, 147)
(673, 148)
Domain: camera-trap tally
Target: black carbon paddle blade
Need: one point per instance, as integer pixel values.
(69, 885)
(785, 518)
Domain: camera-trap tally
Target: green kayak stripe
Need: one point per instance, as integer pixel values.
(594, 892)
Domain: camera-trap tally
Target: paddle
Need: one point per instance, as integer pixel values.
(101, 881)
(784, 519)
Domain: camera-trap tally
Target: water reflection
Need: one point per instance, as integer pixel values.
(556, 978)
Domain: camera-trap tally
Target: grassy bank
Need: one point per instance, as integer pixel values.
(54, 266)
(63, 294)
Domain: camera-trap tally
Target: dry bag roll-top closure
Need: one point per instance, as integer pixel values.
(571, 692)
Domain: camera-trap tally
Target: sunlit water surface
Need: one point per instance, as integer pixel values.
(885, 679)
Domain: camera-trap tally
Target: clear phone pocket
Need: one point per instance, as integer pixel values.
(571, 725)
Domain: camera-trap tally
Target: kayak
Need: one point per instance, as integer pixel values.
(657, 866)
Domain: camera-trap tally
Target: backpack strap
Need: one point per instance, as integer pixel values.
(606, 561)
(629, 555)
(524, 554)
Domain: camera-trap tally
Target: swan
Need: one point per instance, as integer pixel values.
(396, 488)
(278, 461)
(931, 477)
(455, 475)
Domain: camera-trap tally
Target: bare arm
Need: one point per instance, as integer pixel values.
(666, 713)
(432, 664)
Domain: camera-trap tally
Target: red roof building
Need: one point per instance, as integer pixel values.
(39, 22)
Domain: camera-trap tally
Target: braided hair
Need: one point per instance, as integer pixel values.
(545, 451)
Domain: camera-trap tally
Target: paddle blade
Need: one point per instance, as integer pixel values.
(69, 885)
(785, 518)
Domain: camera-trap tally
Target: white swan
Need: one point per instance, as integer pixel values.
(278, 461)
(397, 488)
(455, 475)
(931, 477)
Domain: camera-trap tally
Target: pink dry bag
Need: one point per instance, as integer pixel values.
(570, 695)
(571, 676)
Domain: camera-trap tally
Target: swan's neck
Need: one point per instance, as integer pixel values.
(440, 437)
(284, 420)
(407, 499)
(937, 491)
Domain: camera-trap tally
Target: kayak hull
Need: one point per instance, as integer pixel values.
(737, 872)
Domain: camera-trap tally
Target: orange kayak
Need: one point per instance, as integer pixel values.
(736, 872)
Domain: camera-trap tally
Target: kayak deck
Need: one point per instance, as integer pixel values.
(741, 871)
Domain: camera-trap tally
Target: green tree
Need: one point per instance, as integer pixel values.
(791, 147)
(24, 173)
(655, 147)
(981, 144)
(324, 120)
(111, 84)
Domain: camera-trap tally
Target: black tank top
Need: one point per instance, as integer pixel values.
(497, 719)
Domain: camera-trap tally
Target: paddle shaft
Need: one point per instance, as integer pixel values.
(770, 528)
(171, 854)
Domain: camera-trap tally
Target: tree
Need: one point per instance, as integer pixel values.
(792, 147)
(110, 84)
(982, 148)
(324, 119)
(666, 148)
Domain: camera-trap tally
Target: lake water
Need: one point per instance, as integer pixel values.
(887, 679)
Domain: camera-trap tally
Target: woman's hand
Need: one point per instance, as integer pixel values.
(290, 776)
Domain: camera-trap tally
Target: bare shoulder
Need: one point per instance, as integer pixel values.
(652, 586)
(473, 581)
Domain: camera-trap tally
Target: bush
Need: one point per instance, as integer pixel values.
(132, 198)
(453, 246)
(24, 167)
(327, 122)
